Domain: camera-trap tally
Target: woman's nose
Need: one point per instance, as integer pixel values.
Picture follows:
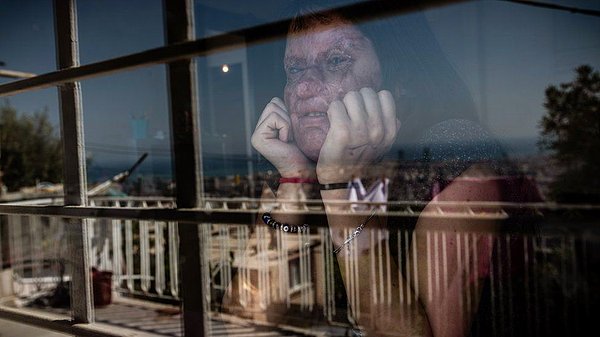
(311, 83)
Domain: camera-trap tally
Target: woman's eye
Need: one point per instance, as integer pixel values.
(294, 70)
(338, 61)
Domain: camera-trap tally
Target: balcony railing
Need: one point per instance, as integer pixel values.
(297, 270)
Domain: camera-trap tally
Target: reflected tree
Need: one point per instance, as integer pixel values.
(571, 131)
(30, 149)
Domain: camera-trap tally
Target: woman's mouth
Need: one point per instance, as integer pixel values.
(315, 114)
(316, 119)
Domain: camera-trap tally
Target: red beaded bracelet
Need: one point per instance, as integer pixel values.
(297, 180)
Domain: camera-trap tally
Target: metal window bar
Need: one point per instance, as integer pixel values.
(1, 254)
(316, 217)
(184, 117)
(74, 172)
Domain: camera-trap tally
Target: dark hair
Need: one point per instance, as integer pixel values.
(414, 68)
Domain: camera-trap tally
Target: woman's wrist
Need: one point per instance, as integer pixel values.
(298, 180)
(334, 200)
(301, 172)
(331, 175)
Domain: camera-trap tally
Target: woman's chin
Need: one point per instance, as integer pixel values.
(310, 141)
(314, 155)
(311, 150)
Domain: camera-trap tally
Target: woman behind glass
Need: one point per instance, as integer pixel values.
(349, 86)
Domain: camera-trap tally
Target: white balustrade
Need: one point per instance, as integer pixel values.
(297, 269)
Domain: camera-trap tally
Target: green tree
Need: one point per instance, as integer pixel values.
(30, 149)
(571, 131)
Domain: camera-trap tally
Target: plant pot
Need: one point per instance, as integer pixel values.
(102, 286)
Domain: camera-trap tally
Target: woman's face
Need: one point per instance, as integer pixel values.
(322, 64)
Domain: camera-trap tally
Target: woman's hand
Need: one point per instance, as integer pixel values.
(362, 129)
(273, 138)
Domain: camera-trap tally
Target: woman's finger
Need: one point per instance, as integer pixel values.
(279, 102)
(339, 123)
(356, 109)
(374, 124)
(357, 114)
(277, 106)
(274, 126)
(390, 121)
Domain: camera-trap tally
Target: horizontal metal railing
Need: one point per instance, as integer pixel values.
(245, 211)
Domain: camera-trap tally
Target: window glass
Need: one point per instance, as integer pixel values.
(128, 155)
(214, 17)
(31, 168)
(31, 148)
(228, 112)
(126, 120)
(109, 29)
(27, 35)
(420, 171)
(461, 130)
(36, 268)
(508, 64)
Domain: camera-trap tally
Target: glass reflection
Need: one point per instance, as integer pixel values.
(396, 110)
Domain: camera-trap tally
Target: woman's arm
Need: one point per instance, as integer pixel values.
(445, 278)
(367, 268)
(445, 297)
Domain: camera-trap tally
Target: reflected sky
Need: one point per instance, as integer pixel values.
(505, 53)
